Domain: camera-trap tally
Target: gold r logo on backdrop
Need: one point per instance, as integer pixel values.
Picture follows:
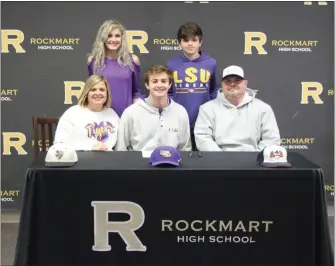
(72, 88)
(254, 39)
(15, 42)
(307, 91)
(313, 89)
(14, 140)
(137, 38)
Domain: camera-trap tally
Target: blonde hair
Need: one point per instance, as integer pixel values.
(99, 50)
(90, 82)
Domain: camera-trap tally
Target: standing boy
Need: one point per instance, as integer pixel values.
(194, 80)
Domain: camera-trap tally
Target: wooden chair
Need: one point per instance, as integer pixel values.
(43, 122)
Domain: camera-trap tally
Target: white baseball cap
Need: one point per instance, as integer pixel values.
(233, 70)
(273, 156)
(61, 155)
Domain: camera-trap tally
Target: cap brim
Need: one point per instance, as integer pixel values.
(165, 162)
(277, 165)
(232, 75)
(62, 164)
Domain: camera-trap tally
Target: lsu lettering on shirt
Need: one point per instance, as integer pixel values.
(194, 82)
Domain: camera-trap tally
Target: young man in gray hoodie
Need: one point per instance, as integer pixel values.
(156, 120)
(235, 120)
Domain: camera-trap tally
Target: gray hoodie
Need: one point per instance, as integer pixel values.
(143, 127)
(250, 126)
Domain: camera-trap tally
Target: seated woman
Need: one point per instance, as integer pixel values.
(91, 124)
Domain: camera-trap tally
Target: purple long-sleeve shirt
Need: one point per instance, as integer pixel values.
(194, 83)
(123, 83)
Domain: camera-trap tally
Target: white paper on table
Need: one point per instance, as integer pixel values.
(146, 154)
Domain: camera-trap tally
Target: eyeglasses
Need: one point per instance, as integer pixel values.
(199, 154)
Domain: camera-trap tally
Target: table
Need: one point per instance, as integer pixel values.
(218, 209)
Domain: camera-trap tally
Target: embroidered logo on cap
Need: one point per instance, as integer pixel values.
(59, 154)
(276, 154)
(165, 153)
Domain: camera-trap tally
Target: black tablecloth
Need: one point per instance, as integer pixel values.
(218, 209)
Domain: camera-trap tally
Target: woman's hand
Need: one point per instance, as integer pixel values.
(100, 147)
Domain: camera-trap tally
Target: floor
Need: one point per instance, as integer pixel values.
(9, 228)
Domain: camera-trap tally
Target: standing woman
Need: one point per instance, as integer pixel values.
(110, 57)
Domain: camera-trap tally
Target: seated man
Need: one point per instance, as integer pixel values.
(236, 120)
(156, 120)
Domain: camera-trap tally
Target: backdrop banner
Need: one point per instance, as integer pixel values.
(285, 48)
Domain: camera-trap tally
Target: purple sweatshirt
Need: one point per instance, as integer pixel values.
(194, 83)
(123, 82)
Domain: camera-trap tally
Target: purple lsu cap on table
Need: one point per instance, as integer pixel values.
(165, 155)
